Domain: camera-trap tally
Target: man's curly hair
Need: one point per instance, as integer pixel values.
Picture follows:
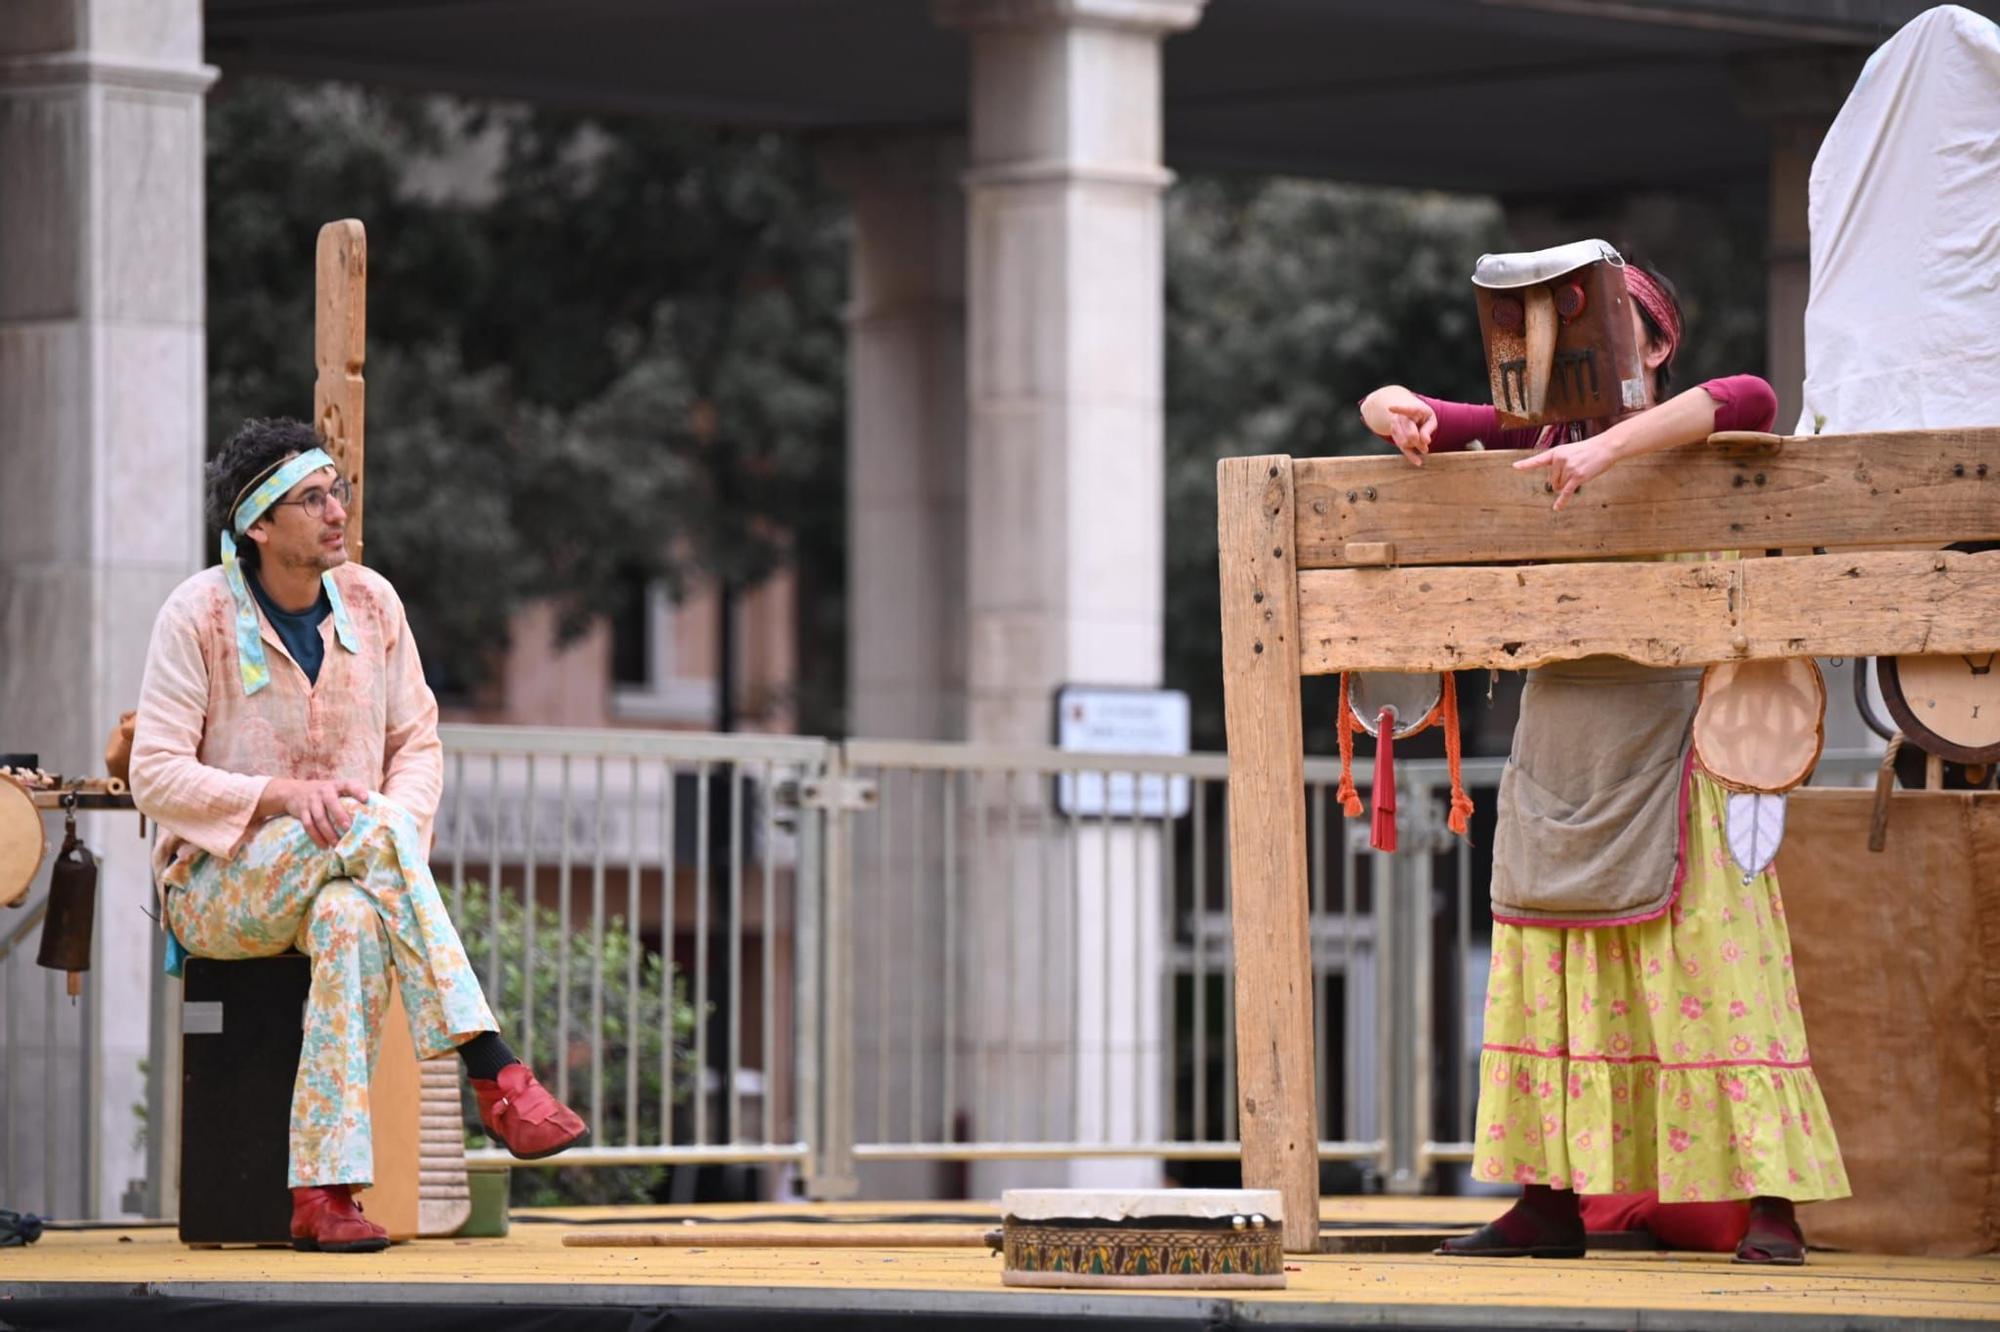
(257, 447)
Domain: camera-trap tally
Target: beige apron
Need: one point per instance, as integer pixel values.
(1590, 807)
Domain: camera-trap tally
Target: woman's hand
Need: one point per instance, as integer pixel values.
(1572, 464)
(1402, 418)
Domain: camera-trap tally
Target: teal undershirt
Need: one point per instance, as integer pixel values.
(297, 630)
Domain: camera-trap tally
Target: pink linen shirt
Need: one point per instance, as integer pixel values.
(203, 750)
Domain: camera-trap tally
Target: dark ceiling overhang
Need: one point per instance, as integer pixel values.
(1521, 97)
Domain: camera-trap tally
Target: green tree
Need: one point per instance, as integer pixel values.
(615, 355)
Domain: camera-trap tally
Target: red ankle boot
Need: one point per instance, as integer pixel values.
(326, 1219)
(520, 1114)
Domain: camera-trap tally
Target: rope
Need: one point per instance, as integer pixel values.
(1460, 818)
(1350, 799)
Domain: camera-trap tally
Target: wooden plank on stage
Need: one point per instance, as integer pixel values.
(1658, 613)
(340, 349)
(1268, 905)
(1911, 487)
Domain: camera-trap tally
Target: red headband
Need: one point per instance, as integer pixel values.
(1659, 306)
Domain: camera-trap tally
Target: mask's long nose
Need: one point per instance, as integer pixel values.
(1539, 332)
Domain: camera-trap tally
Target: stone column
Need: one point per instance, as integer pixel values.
(101, 440)
(1065, 510)
(1796, 96)
(906, 437)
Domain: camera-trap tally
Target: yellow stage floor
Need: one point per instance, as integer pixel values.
(1610, 1289)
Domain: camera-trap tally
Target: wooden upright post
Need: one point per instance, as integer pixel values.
(1267, 839)
(340, 349)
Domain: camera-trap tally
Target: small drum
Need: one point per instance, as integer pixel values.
(1761, 724)
(1133, 1239)
(22, 842)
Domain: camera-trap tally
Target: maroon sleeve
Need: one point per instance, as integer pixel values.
(1459, 423)
(1742, 402)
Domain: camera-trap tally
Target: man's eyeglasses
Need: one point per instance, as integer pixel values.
(314, 500)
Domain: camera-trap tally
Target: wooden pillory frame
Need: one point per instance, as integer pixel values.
(1358, 564)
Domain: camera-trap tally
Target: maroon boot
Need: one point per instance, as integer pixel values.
(521, 1115)
(326, 1219)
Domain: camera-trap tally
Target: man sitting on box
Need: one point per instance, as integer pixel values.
(287, 746)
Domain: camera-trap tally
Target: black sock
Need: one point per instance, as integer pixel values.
(486, 1054)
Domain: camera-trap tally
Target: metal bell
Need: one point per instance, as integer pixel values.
(72, 912)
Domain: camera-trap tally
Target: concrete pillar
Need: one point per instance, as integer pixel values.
(1064, 521)
(906, 437)
(1796, 96)
(102, 380)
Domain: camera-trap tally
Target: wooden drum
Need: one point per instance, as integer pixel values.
(1135, 1239)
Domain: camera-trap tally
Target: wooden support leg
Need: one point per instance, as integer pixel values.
(1267, 839)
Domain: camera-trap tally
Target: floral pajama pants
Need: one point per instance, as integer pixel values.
(358, 908)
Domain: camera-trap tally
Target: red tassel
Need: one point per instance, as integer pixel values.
(1382, 829)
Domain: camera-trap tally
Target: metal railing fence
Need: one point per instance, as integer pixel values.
(813, 955)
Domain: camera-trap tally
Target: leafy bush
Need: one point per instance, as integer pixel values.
(569, 1044)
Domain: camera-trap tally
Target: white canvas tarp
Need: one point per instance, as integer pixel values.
(1903, 320)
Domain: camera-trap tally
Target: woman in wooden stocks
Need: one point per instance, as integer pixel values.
(1656, 1045)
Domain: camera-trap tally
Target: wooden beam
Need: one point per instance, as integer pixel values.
(1660, 613)
(340, 349)
(1759, 491)
(1267, 840)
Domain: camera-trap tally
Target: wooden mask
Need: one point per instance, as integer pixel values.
(1558, 331)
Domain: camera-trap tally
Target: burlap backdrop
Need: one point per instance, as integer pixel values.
(1898, 963)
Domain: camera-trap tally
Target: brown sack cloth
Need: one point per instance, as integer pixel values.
(118, 749)
(1897, 957)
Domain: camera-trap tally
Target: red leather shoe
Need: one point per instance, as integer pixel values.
(326, 1219)
(519, 1113)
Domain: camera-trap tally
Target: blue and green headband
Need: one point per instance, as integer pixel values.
(250, 659)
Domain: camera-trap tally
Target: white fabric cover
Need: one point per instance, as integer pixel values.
(1903, 319)
(1132, 1204)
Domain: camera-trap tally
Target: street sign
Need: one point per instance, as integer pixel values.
(1114, 719)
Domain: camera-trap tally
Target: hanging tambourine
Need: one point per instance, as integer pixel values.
(1392, 706)
(1758, 731)
(22, 843)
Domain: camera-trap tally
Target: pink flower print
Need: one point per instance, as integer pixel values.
(1685, 1101)
(1583, 1141)
(1776, 1049)
(1680, 1049)
(1618, 1132)
(1735, 1090)
(1621, 1093)
(1728, 916)
(1616, 952)
(1691, 1007)
(1691, 966)
(1652, 1001)
(1620, 1042)
(1578, 1181)
(1619, 1008)
(1691, 1194)
(1544, 1089)
(1796, 1177)
(1496, 1132)
(1805, 1122)
(1575, 1086)
(1549, 1126)
(1740, 1046)
(1522, 1082)
(1524, 1173)
(1620, 1185)
(1679, 1139)
(1556, 963)
(1731, 952)
(1738, 1009)
(1714, 858)
(1653, 967)
(1585, 1002)
(1501, 1077)
(1744, 1180)
(1792, 998)
(1490, 1167)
